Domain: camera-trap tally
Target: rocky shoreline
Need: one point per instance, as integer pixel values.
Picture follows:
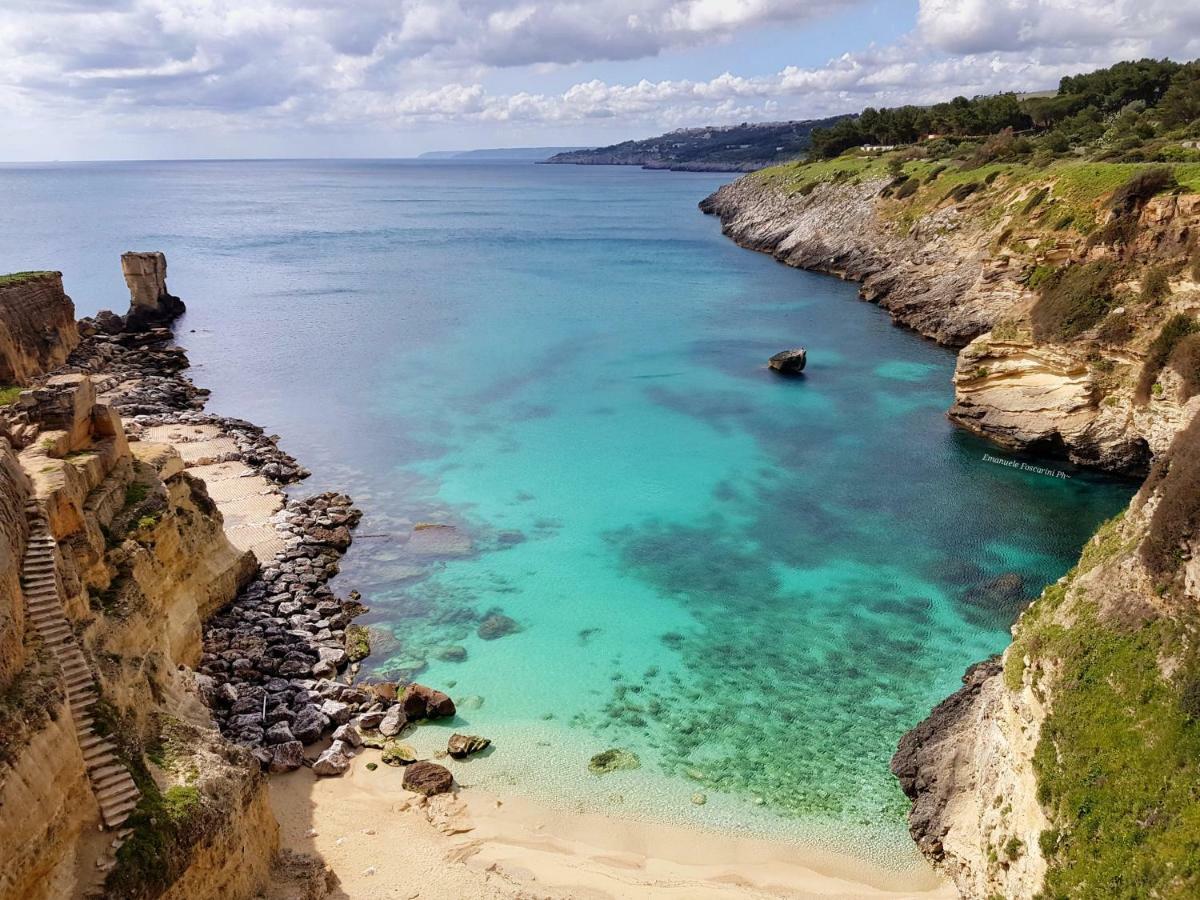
(279, 660)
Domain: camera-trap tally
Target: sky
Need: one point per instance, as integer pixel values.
(165, 79)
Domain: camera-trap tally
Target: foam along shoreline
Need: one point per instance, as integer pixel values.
(383, 841)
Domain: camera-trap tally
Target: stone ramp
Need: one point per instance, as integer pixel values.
(115, 791)
(246, 499)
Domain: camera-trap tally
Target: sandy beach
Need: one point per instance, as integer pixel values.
(384, 842)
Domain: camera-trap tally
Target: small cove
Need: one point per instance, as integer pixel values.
(756, 584)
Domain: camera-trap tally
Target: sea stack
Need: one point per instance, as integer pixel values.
(790, 362)
(150, 303)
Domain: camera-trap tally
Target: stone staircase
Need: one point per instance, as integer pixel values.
(111, 782)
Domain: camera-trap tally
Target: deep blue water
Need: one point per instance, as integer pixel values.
(755, 583)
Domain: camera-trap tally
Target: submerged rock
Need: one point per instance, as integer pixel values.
(789, 361)
(497, 625)
(461, 746)
(612, 761)
(428, 778)
(452, 653)
(358, 643)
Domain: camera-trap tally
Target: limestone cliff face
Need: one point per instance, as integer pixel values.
(968, 770)
(150, 301)
(1044, 774)
(142, 561)
(14, 489)
(37, 325)
(958, 271)
(936, 276)
(1079, 396)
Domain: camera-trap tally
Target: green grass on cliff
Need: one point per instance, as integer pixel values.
(1118, 761)
(1075, 189)
(22, 277)
(1118, 766)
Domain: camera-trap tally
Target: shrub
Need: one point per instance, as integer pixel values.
(963, 191)
(1176, 329)
(1156, 284)
(907, 189)
(1072, 300)
(1035, 200)
(1116, 329)
(1185, 360)
(1176, 518)
(934, 173)
(1127, 201)
(1130, 197)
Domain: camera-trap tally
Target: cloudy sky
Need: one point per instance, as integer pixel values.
(102, 79)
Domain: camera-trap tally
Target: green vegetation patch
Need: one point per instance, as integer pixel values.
(1185, 360)
(1072, 300)
(1176, 518)
(22, 277)
(1176, 329)
(9, 394)
(1118, 765)
(358, 643)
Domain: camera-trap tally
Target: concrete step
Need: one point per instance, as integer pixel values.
(114, 793)
(91, 743)
(114, 774)
(82, 703)
(119, 813)
(100, 755)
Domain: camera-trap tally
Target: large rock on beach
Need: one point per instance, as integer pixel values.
(393, 721)
(286, 757)
(333, 761)
(428, 778)
(309, 725)
(421, 702)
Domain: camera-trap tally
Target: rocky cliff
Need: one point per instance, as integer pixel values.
(139, 559)
(1067, 767)
(37, 325)
(114, 780)
(964, 259)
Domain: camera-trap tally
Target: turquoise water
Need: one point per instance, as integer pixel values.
(755, 583)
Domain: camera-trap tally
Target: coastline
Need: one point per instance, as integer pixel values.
(477, 844)
(472, 842)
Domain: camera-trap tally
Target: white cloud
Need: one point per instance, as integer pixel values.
(324, 65)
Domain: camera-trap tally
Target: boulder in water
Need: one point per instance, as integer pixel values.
(461, 746)
(790, 362)
(497, 625)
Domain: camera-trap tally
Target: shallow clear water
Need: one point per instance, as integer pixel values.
(755, 583)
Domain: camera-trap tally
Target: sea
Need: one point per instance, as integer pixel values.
(592, 514)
